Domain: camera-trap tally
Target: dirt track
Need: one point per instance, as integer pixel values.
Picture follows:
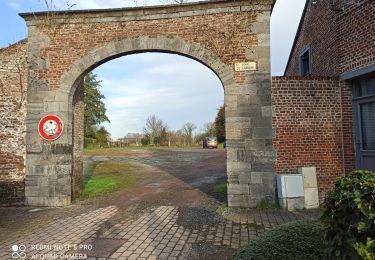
(174, 176)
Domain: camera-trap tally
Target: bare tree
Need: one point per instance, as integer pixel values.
(209, 129)
(188, 129)
(154, 127)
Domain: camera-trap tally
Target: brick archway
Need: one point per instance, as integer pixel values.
(71, 81)
(128, 46)
(218, 34)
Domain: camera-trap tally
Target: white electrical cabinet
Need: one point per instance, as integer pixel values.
(290, 191)
(289, 186)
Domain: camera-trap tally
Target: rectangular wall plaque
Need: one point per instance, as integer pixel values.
(244, 66)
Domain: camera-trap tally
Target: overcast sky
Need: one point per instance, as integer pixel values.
(175, 88)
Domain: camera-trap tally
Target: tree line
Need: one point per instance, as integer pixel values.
(156, 132)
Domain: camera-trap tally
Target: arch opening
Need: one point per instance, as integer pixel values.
(171, 80)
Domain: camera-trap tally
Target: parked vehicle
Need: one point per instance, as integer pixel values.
(209, 142)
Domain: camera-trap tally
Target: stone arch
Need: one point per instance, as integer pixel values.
(59, 56)
(72, 80)
(127, 46)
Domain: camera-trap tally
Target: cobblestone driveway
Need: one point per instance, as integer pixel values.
(172, 215)
(155, 235)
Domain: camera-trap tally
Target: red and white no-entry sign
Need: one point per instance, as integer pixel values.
(50, 127)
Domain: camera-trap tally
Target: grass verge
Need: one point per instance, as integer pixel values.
(92, 151)
(109, 151)
(263, 204)
(221, 145)
(109, 176)
(221, 188)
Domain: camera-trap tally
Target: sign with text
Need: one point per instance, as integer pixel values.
(244, 66)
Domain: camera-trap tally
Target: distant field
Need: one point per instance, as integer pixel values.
(110, 151)
(125, 150)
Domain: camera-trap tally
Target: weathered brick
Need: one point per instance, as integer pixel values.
(13, 82)
(308, 121)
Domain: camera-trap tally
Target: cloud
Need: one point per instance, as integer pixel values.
(14, 5)
(100, 4)
(40, 5)
(175, 88)
(91, 4)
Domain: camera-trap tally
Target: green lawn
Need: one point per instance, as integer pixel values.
(122, 150)
(221, 145)
(110, 151)
(221, 188)
(109, 176)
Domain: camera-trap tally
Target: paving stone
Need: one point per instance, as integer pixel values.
(127, 253)
(164, 256)
(133, 257)
(145, 254)
(169, 243)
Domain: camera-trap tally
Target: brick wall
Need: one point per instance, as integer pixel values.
(13, 79)
(68, 42)
(341, 37)
(347, 126)
(356, 35)
(342, 40)
(318, 30)
(310, 115)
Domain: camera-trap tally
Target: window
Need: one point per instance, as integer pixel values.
(364, 118)
(305, 61)
(367, 114)
(364, 87)
(364, 96)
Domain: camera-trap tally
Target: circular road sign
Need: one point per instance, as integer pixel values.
(50, 127)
